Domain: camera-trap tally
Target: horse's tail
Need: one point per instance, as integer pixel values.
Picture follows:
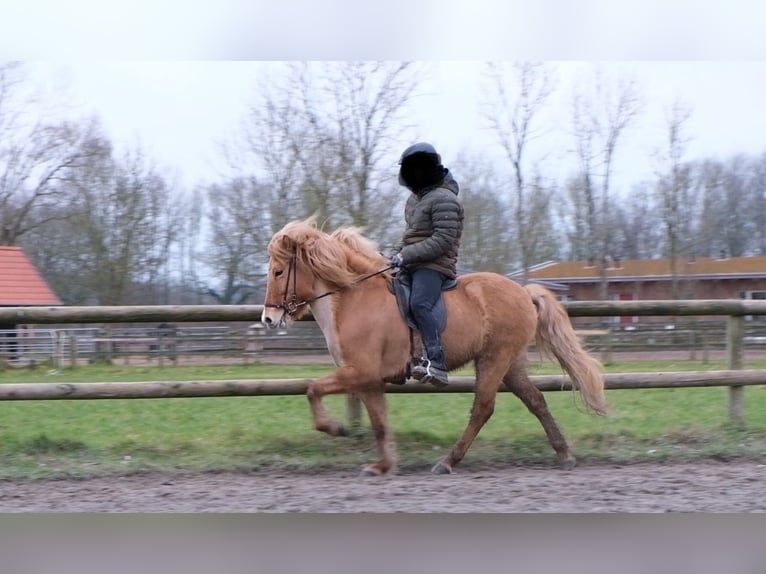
(556, 337)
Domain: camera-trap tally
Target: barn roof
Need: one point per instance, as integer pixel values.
(652, 269)
(20, 282)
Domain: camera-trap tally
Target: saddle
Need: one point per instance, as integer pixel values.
(401, 287)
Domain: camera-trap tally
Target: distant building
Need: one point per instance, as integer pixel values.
(21, 285)
(651, 279)
(20, 282)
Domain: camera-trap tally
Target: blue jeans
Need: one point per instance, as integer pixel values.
(426, 290)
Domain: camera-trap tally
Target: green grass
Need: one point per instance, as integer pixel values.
(101, 437)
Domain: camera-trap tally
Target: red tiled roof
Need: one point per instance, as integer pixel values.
(20, 282)
(658, 269)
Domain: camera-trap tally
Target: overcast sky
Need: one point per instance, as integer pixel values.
(176, 76)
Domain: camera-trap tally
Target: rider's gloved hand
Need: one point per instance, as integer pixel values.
(397, 261)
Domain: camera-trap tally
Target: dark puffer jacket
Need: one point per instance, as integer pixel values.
(434, 218)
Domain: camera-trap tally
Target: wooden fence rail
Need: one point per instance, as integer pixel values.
(282, 387)
(130, 314)
(195, 313)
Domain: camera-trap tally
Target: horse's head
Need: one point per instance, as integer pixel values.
(306, 263)
(289, 282)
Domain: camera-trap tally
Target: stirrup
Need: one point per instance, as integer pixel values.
(426, 373)
(419, 368)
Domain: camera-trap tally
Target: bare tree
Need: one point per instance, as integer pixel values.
(322, 137)
(573, 218)
(638, 225)
(673, 189)
(520, 92)
(35, 158)
(758, 203)
(188, 245)
(730, 219)
(599, 121)
(370, 98)
(488, 239)
(736, 204)
(708, 182)
(237, 250)
(269, 145)
(124, 221)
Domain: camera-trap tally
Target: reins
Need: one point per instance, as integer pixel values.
(290, 307)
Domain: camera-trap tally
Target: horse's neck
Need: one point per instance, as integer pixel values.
(327, 309)
(322, 310)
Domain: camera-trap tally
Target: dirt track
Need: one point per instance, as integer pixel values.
(698, 487)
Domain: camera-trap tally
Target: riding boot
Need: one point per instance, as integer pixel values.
(416, 353)
(432, 368)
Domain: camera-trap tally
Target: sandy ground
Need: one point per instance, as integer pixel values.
(646, 488)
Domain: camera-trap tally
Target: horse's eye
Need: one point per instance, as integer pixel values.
(278, 272)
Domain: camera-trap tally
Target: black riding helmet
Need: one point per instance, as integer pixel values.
(420, 167)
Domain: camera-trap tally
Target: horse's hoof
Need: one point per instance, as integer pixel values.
(341, 431)
(441, 468)
(568, 464)
(366, 473)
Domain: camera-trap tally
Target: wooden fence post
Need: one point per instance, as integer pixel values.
(73, 360)
(692, 345)
(58, 350)
(735, 329)
(607, 352)
(705, 348)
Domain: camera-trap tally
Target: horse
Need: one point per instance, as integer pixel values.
(344, 281)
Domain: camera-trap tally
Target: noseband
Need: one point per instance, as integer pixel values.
(291, 305)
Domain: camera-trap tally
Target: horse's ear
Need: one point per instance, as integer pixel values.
(282, 247)
(311, 248)
(283, 243)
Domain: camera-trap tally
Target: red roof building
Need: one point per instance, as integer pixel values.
(645, 279)
(698, 278)
(21, 283)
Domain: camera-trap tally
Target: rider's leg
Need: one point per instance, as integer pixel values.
(426, 290)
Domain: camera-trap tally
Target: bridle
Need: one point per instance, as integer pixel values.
(290, 305)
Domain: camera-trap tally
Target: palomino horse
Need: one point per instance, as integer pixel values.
(491, 321)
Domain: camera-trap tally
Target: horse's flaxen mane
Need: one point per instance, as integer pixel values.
(339, 258)
(363, 246)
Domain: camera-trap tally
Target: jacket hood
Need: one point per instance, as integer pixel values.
(448, 182)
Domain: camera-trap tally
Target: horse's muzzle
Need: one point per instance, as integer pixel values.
(274, 318)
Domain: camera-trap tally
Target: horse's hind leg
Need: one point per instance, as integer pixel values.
(375, 402)
(487, 382)
(517, 380)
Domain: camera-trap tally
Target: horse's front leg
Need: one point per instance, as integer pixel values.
(375, 402)
(333, 383)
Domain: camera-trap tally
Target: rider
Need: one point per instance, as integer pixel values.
(429, 247)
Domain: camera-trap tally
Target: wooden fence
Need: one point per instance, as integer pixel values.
(272, 387)
(735, 377)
